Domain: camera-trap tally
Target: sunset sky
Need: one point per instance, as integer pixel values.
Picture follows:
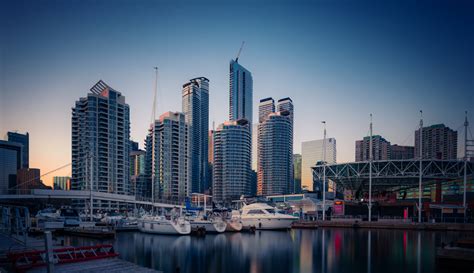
(338, 60)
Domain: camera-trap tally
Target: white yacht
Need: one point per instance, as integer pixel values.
(234, 223)
(210, 224)
(161, 225)
(264, 216)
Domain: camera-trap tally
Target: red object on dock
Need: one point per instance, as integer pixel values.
(25, 260)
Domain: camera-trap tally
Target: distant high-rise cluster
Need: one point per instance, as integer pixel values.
(101, 141)
(275, 147)
(380, 149)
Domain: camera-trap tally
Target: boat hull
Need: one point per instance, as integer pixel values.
(267, 223)
(164, 227)
(234, 226)
(211, 227)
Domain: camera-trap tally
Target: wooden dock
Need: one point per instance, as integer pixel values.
(112, 265)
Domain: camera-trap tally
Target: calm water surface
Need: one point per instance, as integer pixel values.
(321, 250)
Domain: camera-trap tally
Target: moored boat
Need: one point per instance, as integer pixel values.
(264, 216)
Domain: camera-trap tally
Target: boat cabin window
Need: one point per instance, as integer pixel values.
(256, 211)
(271, 211)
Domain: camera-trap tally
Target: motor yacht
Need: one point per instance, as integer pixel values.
(264, 216)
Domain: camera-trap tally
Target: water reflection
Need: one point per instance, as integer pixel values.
(322, 250)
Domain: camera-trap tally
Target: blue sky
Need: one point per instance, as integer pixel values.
(338, 60)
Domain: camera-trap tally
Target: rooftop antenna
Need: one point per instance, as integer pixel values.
(240, 51)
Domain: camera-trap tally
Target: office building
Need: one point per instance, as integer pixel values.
(439, 142)
(172, 173)
(24, 140)
(137, 173)
(275, 152)
(195, 99)
(10, 162)
(398, 152)
(240, 93)
(28, 179)
(297, 173)
(311, 154)
(380, 149)
(101, 141)
(254, 146)
(62, 183)
(232, 161)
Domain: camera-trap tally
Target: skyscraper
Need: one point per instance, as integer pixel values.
(381, 149)
(439, 142)
(286, 104)
(195, 98)
(10, 162)
(311, 154)
(24, 140)
(241, 93)
(266, 107)
(275, 152)
(101, 141)
(232, 161)
(172, 173)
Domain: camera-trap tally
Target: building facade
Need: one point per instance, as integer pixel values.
(10, 163)
(232, 161)
(137, 173)
(297, 173)
(24, 140)
(240, 93)
(101, 141)
(380, 149)
(195, 104)
(62, 183)
(402, 152)
(311, 154)
(439, 142)
(172, 171)
(28, 179)
(275, 153)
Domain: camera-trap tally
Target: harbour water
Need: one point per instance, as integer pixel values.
(297, 250)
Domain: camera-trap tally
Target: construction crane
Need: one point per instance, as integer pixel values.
(240, 50)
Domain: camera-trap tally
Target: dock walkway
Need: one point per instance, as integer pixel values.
(112, 265)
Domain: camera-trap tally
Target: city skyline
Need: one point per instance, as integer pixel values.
(316, 74)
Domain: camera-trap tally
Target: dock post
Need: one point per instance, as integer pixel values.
(48, 244)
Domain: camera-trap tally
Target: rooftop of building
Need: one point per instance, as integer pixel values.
(285, 99)
(267, 99)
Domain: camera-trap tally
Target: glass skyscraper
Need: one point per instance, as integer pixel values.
(241, 92)
(195, 99)
(24, 140)
(312, 153)
(101, 134)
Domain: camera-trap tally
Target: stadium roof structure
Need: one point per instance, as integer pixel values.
(390, 174)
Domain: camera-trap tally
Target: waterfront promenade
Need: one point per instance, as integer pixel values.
(385, 224)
